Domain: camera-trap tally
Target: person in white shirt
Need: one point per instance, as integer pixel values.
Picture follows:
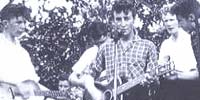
(16, 69)
(178, 48)
(177, 51)
(98, 33)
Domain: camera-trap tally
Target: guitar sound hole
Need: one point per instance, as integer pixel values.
(107, 95)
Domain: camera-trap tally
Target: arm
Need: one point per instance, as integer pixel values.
(97, 66)
(152, 63)
(86, 65)
(84, 61)
(90, 73)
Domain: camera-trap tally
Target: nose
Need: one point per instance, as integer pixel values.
(61, 88)
(123, 23)
(22, 25)
(198, 21)
(168, 23)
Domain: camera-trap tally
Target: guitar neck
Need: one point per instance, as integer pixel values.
(130, 84)
(51, 93)
(161, 71)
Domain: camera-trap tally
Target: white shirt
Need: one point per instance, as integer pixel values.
(86, 59)
(15, 63)
(179, 51)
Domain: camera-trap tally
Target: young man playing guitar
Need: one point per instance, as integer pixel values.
(15, 66)
(132, 56)
(179, 21)
(97, 31)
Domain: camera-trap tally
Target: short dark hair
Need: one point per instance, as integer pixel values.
(97, 29)
(15, 10)
(125, 6)
(63, 77)
(186, 7)
(167, 9)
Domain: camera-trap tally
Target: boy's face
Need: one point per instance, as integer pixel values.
(63, 85)
(15, 26)
(198, 17)
(186, 24)
(171, 23)
(124, 22)
(189, 24)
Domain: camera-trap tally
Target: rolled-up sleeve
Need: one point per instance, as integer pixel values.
(97, 66)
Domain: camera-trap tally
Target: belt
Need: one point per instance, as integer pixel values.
(193, 69)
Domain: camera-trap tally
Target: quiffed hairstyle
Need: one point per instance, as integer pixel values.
(185, 7)
(125, 6)
(15, 10)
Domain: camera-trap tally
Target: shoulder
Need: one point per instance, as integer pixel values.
(90, 50)
(109, 42)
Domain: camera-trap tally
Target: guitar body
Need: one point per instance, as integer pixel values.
(108, 90)
(99, 91)
(27, 90)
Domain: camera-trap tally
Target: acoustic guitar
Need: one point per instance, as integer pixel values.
(105, 92)
(27, 89)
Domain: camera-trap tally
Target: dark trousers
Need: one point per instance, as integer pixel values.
(137, 93)
(146, 92)
(142, 92)
(179, 90)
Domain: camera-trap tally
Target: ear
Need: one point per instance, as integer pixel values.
(5, 23)
(191, 17)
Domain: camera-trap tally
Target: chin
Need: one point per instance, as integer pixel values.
(126, 33)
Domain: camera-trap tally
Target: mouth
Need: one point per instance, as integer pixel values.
(19, 32)
(170, 28)
(122, 30)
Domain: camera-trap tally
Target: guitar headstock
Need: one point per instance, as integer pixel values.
(166, 69)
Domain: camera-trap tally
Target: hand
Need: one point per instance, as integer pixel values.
(147, 80)
(76, 79)
(95, 93)
(88, 81)
(173, 75)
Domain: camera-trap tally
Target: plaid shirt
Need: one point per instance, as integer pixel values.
(139, 57)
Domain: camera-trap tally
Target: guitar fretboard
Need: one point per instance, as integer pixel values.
(129, 84)
(51, 93)
(161, 71)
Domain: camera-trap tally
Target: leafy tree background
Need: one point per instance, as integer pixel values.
(55, 41)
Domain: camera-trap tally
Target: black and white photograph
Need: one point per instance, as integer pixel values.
(99, 49)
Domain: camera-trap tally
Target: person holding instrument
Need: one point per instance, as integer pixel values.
(183, 83)
(128, 53)
(16, 67)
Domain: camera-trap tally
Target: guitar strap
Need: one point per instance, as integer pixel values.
(12, 93)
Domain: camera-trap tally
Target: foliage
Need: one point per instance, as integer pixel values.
(54, 47)
(56, 43)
